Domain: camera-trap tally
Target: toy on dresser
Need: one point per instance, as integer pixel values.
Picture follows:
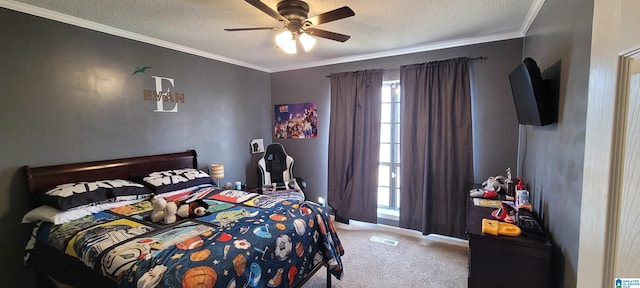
(493, 188)
(510, 218)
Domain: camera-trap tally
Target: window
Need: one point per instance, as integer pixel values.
(389, 159)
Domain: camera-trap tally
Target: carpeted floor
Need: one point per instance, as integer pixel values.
(416, 261)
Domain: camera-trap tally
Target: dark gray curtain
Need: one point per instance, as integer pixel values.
(354, 144)
(436, 146)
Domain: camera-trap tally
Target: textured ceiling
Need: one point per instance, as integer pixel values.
(379, 28)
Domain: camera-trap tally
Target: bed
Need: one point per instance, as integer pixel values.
(243, 239)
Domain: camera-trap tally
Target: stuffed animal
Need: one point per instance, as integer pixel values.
(193, 209)
(169, 212)
(158, 204)
(163, 210)
(495, 184)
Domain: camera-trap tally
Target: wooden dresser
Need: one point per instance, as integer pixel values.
(503, 261)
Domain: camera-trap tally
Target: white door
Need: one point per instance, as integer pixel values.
(627, 256)
(610, 217)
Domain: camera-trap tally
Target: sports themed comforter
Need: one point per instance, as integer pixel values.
(244, 240)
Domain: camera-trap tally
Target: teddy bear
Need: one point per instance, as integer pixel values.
(168, 212)
(163, 211)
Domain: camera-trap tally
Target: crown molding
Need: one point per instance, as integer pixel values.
(531, 16)
(56, 16)
(409, 50)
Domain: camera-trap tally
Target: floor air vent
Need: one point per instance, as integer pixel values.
(384, 240)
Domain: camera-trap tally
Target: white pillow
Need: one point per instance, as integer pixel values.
(55, 216)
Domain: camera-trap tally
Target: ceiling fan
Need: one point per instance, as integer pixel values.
(293, 14)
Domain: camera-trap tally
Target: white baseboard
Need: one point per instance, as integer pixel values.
(411, 233)
(448, 239)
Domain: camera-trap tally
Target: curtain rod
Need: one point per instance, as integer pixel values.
(396, 69)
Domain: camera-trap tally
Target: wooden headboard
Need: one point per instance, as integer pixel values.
(40, 179)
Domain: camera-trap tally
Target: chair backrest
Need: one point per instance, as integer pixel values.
(275, 166)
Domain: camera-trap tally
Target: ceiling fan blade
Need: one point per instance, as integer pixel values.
(266, 9)
(253, 28)
(327, 34)
(332, 15)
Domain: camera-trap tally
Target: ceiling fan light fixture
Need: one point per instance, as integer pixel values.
(307, 41)
(294, 15)
(286, 42)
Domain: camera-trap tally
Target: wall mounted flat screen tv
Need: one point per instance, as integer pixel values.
(531, 95)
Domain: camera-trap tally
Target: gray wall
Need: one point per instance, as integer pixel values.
(560, 35)
(495, 125)
(68, 96)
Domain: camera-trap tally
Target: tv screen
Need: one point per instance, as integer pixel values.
(530, 94)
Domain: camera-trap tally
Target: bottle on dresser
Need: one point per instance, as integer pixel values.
(511, 187)
(522, 195)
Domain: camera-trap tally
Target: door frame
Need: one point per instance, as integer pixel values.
(612, 48)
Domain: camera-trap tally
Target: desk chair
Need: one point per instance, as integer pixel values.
(276, 166)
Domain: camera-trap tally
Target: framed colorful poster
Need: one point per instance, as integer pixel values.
(296, 121)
